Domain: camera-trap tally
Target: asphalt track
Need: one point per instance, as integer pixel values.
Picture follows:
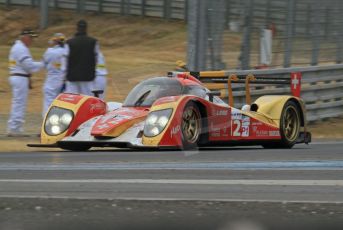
(300, 186)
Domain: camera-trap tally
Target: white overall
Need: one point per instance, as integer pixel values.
(21, 65)
(55, 61)
(101, 73)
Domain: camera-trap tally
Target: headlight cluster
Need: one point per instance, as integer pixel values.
(156, 122)
(58, 120)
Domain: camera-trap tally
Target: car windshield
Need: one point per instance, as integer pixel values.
(147, 92)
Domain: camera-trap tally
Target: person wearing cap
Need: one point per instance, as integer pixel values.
(55, 63)
(82, 55)
(101, 73)
(21, 66)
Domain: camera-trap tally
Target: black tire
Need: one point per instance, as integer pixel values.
(191, 126)
(290, 122)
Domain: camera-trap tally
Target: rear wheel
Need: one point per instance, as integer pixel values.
(191, 126)
(289, 126)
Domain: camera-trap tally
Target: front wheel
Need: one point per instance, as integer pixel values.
(190, 126)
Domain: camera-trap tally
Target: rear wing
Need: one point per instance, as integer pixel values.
(294, 81)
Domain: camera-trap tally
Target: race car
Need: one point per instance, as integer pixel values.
(176, 111)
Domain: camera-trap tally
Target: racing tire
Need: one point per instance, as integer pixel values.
(290, 122)
(191, 126)
(75, 148)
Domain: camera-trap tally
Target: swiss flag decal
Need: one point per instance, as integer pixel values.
(296, 84)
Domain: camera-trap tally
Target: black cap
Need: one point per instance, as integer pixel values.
(82, 24)
(29, 31)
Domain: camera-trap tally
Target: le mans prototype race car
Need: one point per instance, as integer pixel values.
(174, 112)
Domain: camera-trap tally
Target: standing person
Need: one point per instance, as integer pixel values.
(55, 62)
(82, 56)
(21, 66)
(101, 73)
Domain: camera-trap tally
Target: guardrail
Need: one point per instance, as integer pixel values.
(321, 88)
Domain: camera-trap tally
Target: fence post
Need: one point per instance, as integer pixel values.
(7, 3)
(308, 19)
(327, 22)
(289, 33)
(316, 33)
(100, 6)
(167, 9)
(81, 6)
(215, 28)
(55, 4)
(143, 8)
(227, 12)
(197, 35)
(122, 7)
(268, 6)
(248, 24)
(44, 9)
(339, 33)
(33, 3)
(186, 11)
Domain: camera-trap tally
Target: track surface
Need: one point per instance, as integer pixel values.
(212, 187)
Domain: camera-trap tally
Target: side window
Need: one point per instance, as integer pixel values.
(195, 90)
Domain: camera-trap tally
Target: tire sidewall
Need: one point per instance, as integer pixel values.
(186, 144)
(285, 142)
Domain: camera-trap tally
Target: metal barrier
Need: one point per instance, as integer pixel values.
(321, 87)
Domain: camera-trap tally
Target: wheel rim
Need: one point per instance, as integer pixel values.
(291, 124)
(190, 125)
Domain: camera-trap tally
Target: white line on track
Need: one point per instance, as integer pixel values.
(83, 197)
(258, 165)
(185, 182)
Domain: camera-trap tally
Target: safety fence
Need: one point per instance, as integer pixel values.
(168, 9)
(321, 88)
(266, 33)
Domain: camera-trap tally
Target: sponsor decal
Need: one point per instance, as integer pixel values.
(103, 126)
(275, 133)
(260, 133)
(256, 123)
(71, 98)
(236, 114)
(221, 112)
(97, 107)
(214, 131)
(175, 130)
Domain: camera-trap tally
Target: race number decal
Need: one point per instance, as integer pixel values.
(240, 127)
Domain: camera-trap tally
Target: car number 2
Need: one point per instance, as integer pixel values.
(239, 130)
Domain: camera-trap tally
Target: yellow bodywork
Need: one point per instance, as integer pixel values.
(154, 141)
(117, 131)
(271, 107)
(47, 139)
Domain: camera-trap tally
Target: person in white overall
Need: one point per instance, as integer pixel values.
(55, 61)
(21, 66)
(100, 75)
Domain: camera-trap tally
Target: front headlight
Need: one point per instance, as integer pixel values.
(57, 120)
(156, 122)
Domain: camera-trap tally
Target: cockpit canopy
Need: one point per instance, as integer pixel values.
(147, 92)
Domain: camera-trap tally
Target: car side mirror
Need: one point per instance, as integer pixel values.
(212, 94)
(97, 92)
